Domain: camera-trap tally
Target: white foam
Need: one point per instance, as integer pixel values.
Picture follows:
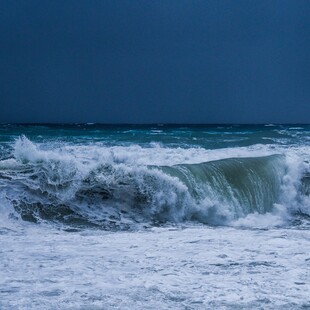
(70, 164)
(278, 217)
(193, 268)
(134, 154)
(155, 154)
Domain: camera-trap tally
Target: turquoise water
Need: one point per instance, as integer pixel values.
(207, 136)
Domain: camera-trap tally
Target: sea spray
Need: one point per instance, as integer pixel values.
(97, 216)
(106, 192)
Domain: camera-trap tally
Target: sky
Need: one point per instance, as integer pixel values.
(159, 61)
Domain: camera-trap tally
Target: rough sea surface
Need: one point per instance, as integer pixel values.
(154, 217)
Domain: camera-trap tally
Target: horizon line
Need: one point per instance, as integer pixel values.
(150, 124)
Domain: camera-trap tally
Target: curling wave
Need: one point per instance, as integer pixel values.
(56, 186)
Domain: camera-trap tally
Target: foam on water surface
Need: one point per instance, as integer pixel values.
(154, 218)
(164, 268)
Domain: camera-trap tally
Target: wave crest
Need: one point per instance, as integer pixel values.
(58, 186)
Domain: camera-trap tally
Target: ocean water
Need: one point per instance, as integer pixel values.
(154, 217)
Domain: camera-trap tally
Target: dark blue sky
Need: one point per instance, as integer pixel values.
(147, 61)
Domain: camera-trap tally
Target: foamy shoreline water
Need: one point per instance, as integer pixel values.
(165, 268)
(154, 217)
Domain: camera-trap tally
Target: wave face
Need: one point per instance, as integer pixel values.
(106, 192)
(231, 188)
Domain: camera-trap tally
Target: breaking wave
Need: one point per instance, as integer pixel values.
(60, 187)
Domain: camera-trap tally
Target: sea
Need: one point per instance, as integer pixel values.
(154, 216)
